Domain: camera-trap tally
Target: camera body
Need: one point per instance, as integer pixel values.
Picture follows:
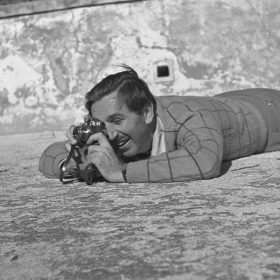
(83, 131)
(78, 152)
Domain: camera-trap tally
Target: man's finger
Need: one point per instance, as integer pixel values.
(68, 147)
(95, 153)
(97, 149)
(71, 128)
(69, 135)
(100, 138)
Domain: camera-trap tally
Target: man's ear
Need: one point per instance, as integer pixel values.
(148, 113)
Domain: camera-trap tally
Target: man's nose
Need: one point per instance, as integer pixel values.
(111, 132)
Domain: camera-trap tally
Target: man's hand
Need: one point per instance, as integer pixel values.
(104, 158)
(69, 135)
(71, 139)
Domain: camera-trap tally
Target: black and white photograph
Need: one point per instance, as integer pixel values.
(139, 140)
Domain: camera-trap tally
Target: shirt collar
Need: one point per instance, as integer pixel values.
(158, 145)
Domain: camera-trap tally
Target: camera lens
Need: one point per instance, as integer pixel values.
(81, 134)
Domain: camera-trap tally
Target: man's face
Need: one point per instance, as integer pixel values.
(131, 133)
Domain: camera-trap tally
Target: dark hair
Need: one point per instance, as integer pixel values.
(131, 90)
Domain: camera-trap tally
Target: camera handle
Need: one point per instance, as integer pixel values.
(65, 164)
(90, 174)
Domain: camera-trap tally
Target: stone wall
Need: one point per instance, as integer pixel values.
(49, 61)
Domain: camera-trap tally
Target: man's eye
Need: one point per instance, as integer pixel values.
(117, 121)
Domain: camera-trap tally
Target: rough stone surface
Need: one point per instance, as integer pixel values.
(225, 228)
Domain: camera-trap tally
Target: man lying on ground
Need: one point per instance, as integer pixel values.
(174, 138)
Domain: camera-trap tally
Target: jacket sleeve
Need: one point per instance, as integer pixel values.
(198, 154)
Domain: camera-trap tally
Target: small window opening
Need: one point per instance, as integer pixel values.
(163, 71)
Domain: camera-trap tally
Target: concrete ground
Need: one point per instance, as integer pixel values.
(224, 228)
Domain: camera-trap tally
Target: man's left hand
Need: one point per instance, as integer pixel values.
(104, 158)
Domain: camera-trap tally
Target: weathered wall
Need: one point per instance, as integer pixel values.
(49, 61)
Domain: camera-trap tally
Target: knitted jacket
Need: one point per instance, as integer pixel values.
(200, 133)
